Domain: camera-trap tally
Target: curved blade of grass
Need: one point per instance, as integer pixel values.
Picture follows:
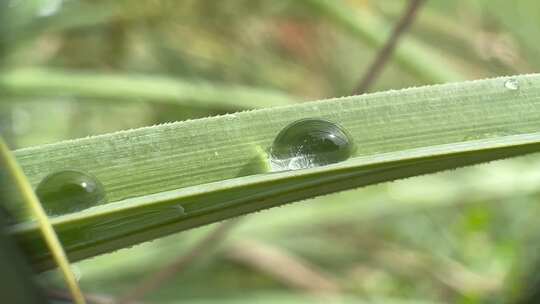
(413, 56)
(43, 225)
(124, 223)
(54, 82)
(172, 177)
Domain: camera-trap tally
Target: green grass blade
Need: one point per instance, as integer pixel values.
(43, 224)
(214, 168)
(52, 82)
(131, 221)
(419, 59)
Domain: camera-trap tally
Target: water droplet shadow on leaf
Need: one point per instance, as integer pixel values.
(258, 164)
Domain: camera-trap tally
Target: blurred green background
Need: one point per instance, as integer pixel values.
(74, 68)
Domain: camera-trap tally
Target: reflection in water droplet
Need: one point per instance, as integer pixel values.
(308, 143)
(511, 84)
(69, 191)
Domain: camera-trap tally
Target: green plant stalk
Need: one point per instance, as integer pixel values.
(413, 56)
(43, 225)
(30, 82)
(215, 168)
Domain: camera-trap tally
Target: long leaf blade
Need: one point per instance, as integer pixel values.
(131, 221)
(28, 82)
(215, 167)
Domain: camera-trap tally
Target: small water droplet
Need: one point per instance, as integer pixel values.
(309, 143)
(511, 84)
(69, 191)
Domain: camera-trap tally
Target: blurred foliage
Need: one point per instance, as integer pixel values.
(459, 237)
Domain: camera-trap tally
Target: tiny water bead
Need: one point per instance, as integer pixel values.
(69, 191)
(511, 84)
(309, 143)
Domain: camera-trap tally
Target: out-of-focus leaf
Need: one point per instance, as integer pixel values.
(43, 82)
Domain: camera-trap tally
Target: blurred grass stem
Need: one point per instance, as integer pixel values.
(47, 230)
(387, 50)
(157, 279)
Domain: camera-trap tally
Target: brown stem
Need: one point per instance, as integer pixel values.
(158, 278)
(385, 53)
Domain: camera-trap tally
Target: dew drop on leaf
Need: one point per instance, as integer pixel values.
(309, 143)
(511, 84)
(69, 191)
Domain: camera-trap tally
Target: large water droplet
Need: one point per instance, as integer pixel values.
(511, 84)
(69, 191)
(308, 143)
